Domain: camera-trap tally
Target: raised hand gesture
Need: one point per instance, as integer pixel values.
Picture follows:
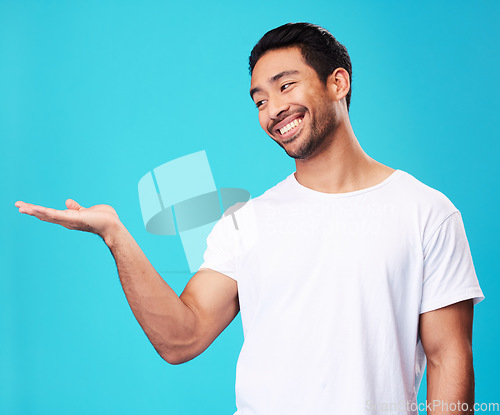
(98, 219)
(176, 331)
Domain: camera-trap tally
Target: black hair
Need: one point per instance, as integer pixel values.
(320, 50)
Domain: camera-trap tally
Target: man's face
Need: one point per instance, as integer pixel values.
(295, 107)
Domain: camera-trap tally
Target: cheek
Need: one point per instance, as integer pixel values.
(263, 121)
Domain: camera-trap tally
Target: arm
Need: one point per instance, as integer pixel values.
(446, 335)
(180, 328)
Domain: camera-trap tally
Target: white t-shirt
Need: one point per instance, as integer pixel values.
(331, 287)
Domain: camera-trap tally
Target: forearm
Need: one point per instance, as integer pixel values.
(167, 321)
(450, 385)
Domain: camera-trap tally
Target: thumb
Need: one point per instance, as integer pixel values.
(71, 204)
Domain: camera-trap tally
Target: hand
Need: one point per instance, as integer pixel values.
(98, 219)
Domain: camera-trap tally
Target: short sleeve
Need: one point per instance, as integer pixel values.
(221, 248)
(449, 275)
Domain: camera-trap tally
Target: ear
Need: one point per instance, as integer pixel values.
(339, 83)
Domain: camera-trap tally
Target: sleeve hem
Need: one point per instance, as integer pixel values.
(475, 293)
(221, 271)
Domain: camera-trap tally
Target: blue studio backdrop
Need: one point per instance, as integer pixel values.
(94, 95)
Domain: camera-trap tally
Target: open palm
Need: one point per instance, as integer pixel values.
(95, 219)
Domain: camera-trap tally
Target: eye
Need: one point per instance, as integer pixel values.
(286, 86)
(259, 104)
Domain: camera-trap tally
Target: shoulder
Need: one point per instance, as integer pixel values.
(423, 206)
(244, 216)
(423, 197)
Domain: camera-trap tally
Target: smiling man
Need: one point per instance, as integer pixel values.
(349, 274)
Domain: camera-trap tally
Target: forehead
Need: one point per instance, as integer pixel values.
(276, 61)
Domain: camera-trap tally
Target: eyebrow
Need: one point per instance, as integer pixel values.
(272, 80)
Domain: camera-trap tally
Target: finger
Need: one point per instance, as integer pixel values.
(27, 206)
(44, 213)
(24, 207)
(72, 204)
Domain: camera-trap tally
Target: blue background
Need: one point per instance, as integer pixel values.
(95, 94)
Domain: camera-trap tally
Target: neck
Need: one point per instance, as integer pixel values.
(341, 165)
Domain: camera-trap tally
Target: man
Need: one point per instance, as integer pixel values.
(345, 272)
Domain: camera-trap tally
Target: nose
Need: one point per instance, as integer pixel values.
(276, 105)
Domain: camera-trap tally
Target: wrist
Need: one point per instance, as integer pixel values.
(111, 233)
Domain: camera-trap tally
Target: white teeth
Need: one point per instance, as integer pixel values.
(290, 125)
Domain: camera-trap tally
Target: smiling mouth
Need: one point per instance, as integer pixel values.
(290, 129)
(290, 126)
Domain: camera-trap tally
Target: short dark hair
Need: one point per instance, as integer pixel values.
(320, 50)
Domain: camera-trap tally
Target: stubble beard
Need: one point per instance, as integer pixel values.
(321, 129)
